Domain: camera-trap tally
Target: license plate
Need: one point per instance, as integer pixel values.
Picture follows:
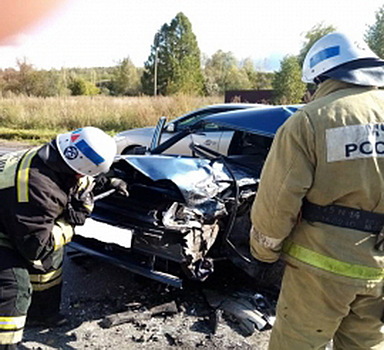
(105, 233)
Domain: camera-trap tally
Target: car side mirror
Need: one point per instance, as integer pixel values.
(171, 127)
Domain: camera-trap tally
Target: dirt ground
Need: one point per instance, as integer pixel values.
(95, 289)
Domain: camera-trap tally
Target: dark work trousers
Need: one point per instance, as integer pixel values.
(47, 288)
(15, 297)
(45, 304)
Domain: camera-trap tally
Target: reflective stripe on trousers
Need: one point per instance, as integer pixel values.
(312, 309)
(11, 329)
(329, 264)
(15, 297)
(47, 280)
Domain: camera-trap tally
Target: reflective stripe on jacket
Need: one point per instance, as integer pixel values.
(33, 198)
(22, 176)
(332, 152)
(11, 170)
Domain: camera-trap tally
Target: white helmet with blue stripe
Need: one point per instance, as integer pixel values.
(340, 57)
(87, 151)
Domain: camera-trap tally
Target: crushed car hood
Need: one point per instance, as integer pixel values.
(263, 121)
(205, 178)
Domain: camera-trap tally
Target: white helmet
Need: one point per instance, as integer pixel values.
(338, 56)
(88, 150)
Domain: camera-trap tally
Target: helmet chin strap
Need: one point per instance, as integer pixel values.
(320, 79)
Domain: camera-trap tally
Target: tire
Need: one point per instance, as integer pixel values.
(265, 275)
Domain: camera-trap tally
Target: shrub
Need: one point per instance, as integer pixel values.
(79, 87)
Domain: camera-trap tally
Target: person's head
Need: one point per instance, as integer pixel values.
(340, 57)
(87, 151)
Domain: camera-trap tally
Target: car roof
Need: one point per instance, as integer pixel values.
(224, 107)
(231, 105)
(262, 120)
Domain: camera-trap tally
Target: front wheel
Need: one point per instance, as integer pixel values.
(264, 274)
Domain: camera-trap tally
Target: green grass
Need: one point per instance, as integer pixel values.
(39, 119)
(32, 136)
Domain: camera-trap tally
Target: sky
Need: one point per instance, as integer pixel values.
(100, 33)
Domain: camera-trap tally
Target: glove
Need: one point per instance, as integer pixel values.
(120, 186)
(83, 195)
(62, 233)
(265, 248)
(80, 203)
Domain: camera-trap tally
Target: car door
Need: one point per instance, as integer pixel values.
(212, 136)
(209, 137)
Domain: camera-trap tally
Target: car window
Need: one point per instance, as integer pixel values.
(192, 119)
(212, 127)
(184, 123)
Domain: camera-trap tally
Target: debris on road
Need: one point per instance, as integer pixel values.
(141, 315)
(93, 290)
(251, 311)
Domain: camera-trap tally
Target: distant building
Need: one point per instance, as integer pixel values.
(249, 96)
(257, 96)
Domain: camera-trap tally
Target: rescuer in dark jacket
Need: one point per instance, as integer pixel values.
(45, 192)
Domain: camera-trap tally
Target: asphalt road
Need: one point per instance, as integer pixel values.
(9, 146)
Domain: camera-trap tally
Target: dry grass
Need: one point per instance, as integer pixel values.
(39, 119)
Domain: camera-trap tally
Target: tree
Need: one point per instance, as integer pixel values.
(21, 80)
(79, 86)
(314, 34)
(174, 63)
(258, 80)
(375, 34)
(49, 83)
(125, 79)
(287, 82)
(26, 80)
(222, 73)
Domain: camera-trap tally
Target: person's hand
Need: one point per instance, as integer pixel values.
(62, 233)
(265, 248)
(120, 186)
(76, 213)
(80, 202)
(83, 196)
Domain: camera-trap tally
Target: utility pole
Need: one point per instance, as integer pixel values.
(155, 74)
(155, 68)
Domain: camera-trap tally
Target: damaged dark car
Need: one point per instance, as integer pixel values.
(186, 213)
